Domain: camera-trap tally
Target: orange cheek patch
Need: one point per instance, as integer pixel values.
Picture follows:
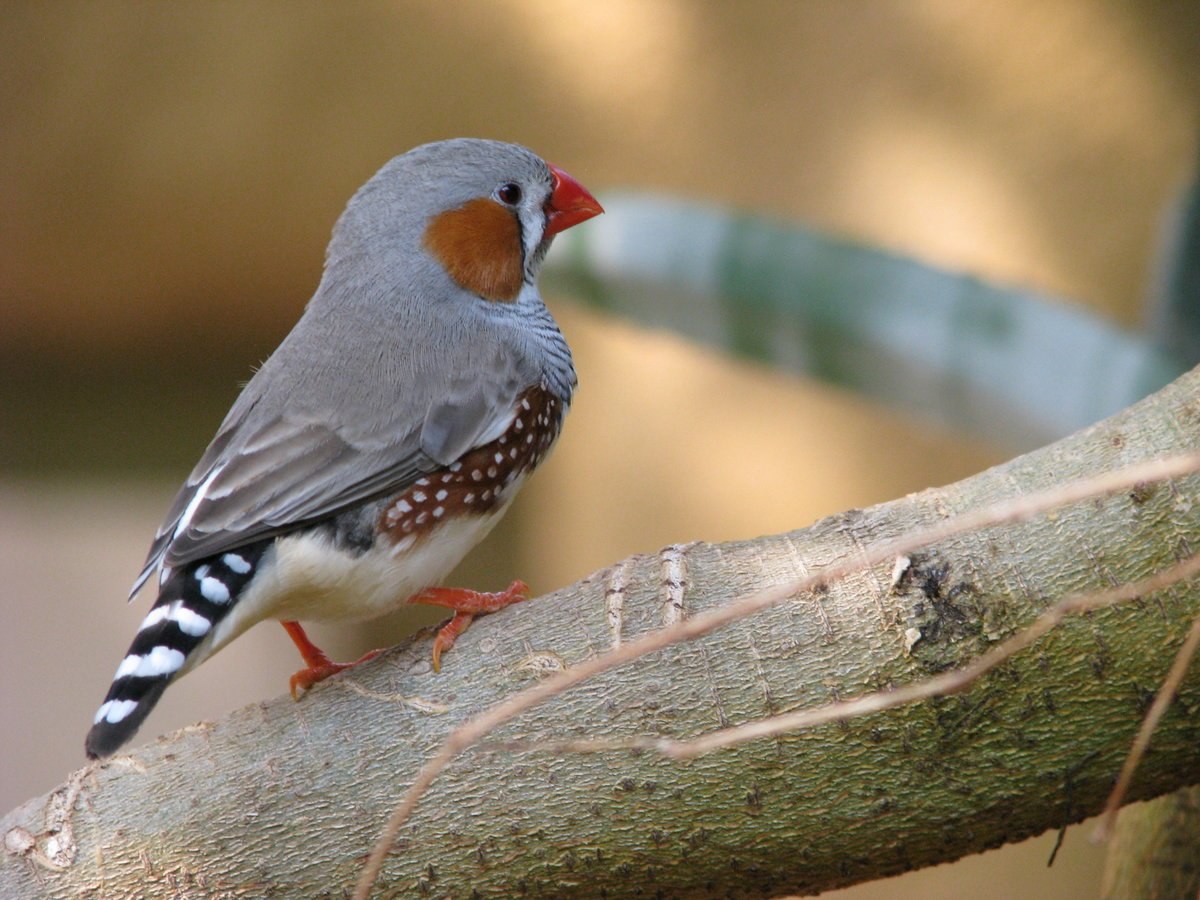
(479, 244)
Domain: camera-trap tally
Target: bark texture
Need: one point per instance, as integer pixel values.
(1155, 850)
(285, 798)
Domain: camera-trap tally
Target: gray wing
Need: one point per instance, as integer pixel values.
(304, 443)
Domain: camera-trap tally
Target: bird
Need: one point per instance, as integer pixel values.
(383, 438)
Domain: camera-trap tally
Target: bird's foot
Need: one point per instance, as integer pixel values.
(318, 665)
(466, 605)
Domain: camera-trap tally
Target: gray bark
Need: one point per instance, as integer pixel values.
(286, 798)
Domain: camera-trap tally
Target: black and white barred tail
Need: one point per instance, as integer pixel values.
(191, 602)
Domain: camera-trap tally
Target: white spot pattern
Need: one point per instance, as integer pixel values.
(189, 622)
(213, 590)
(159, 661)
(155, 616)
(114, 711)
(476, 483)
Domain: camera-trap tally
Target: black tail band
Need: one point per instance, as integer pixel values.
(190, 605)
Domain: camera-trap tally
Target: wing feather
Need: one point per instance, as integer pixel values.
(276, 465)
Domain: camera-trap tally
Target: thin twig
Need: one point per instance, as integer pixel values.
(1162, 700)
(1015, 509)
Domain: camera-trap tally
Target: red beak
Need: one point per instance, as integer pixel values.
(569, 204)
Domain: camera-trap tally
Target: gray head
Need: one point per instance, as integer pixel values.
(470, 214)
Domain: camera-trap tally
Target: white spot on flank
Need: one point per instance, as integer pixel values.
(214, 591)
(525, 405)
(437, 511)
(477, 475)
(419, 496)
(519, 425)
(529, 438)
(491, 471)
(512, 453)
(422, 481)
(236, 563)
(202, 572)
(404, 506)
(440, 495)
(114, 710)
(499, 457)
(455, 466)
(470, 498)
(446, 479)
(422, 517)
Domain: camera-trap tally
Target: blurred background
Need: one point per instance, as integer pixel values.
(170, 174)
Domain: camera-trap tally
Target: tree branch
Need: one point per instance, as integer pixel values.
(1153, 852)
(289, 797)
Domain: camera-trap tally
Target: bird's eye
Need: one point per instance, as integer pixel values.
(509, 193)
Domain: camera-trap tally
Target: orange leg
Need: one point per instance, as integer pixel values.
(319, 665)
(466, 605)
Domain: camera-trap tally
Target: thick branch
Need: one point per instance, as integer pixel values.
(289, 797)
(1154, 849)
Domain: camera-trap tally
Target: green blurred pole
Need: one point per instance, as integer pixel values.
(1175, 307)
(1155, 850)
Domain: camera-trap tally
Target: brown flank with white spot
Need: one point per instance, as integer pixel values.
(476, 482)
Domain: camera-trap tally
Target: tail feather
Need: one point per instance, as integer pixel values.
(192, 601)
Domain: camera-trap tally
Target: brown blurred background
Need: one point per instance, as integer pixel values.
(170, 173)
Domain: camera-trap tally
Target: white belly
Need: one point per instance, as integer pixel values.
(311, 580)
